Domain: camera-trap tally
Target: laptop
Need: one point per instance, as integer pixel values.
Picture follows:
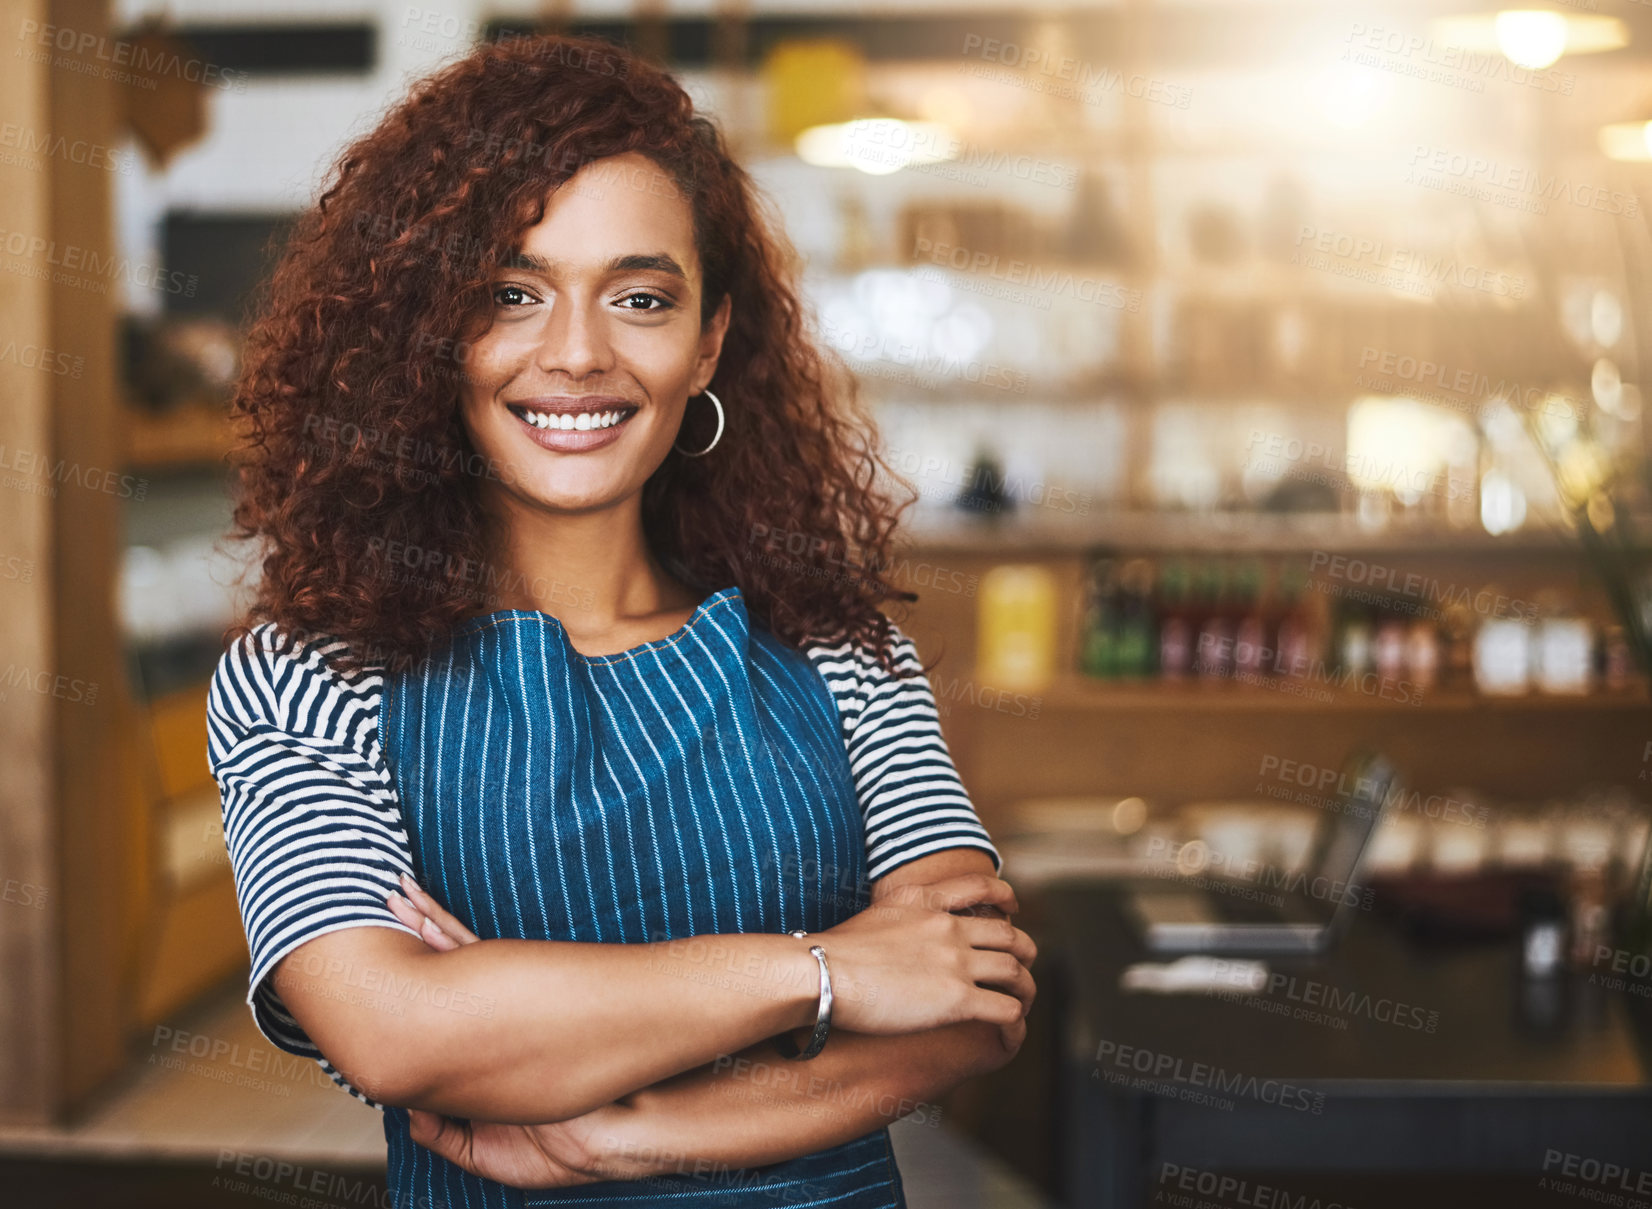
(1277, 912)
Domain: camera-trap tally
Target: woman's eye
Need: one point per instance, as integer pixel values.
(631, 298)
(511, 295)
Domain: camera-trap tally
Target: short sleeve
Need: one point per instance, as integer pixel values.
(311, 819)
(911, 797)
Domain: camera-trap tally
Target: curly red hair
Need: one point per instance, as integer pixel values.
(354, 453)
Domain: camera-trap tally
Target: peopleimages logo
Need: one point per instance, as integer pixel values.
(86, 268)
(1195, 857)
(1363, 257)
(1382, 369)
(1331, 789)
(43, 475)
(1305, 992)
(21, 144)
(145, 63)
(1067, 76)
(1146, 1068)
(1424, 589)
(1598, 1180)
(1409, 54)
(1023, 280)
(1178, 1186)
(47, 361)
(1486, 178)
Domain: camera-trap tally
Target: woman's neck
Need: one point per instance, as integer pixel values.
(592, 571)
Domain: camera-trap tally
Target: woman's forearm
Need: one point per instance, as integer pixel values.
(530, 1031)
(755, 1107)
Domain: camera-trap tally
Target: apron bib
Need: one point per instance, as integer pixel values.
(693, 785)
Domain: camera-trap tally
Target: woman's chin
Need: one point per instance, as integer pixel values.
(559, 494)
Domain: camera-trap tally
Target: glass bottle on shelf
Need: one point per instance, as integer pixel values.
(1563, 645)
(1502, 657)
(1422, 653)
(1136, 635)
(1213, 650)
(1590, 911)
(983, 491)
(1251, 630)
(1354, 639)
(1617, 661)
(1388, 646)
(1015, 627)
(1175, 624)
(1456, 644)
(1098, 650)
(1294, 646)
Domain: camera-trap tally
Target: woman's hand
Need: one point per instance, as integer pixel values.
(439, 928)
(909, 963)
(905, 964)
(559, 1154)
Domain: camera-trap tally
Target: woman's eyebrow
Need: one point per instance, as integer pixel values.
(662, 262)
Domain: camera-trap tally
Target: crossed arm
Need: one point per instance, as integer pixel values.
(746, 1108)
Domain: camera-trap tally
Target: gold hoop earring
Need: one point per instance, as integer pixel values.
(718, 404)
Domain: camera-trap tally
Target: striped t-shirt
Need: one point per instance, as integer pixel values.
(314, 827)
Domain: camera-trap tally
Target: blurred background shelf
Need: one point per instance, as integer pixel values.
(186, 436)
(1063, 528)
(1079, 693)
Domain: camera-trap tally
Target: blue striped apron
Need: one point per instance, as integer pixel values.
(696, 784)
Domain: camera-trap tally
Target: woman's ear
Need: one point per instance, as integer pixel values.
(711, 342)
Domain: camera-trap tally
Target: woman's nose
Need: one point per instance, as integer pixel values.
(575, 341)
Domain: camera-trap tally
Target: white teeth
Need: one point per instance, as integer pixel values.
(583, 422)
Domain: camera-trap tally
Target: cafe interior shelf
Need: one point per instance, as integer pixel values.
(1075, 692)
(1214, 532)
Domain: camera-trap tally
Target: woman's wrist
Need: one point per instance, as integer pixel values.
(654, 1131)
(802, 986)
(613, 1143)
(776, 970)
(823, 1012)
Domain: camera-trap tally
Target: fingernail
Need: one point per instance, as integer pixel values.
(407, 881)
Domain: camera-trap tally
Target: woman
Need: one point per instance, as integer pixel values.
(566, 737)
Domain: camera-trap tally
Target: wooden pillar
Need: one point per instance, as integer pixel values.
(64, 825)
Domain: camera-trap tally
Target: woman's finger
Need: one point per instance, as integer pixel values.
(965, 891)
(429, 931)
(448, 922)
(1003, 935)
(1003, 972)
(442, 1135)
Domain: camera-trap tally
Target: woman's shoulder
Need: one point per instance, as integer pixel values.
(272, 676)
(863, 687)
(857, 659)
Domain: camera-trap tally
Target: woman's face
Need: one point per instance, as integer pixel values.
(596, 320)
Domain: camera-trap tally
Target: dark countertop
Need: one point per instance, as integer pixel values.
(1379, 1014)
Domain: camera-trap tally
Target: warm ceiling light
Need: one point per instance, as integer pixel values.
(1631, 141)
(1533, 38)
(877, 146)
(1530, 37)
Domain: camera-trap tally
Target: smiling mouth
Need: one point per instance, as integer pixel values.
(571, 421)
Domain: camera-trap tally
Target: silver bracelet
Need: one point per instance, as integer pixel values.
(823, 1015)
